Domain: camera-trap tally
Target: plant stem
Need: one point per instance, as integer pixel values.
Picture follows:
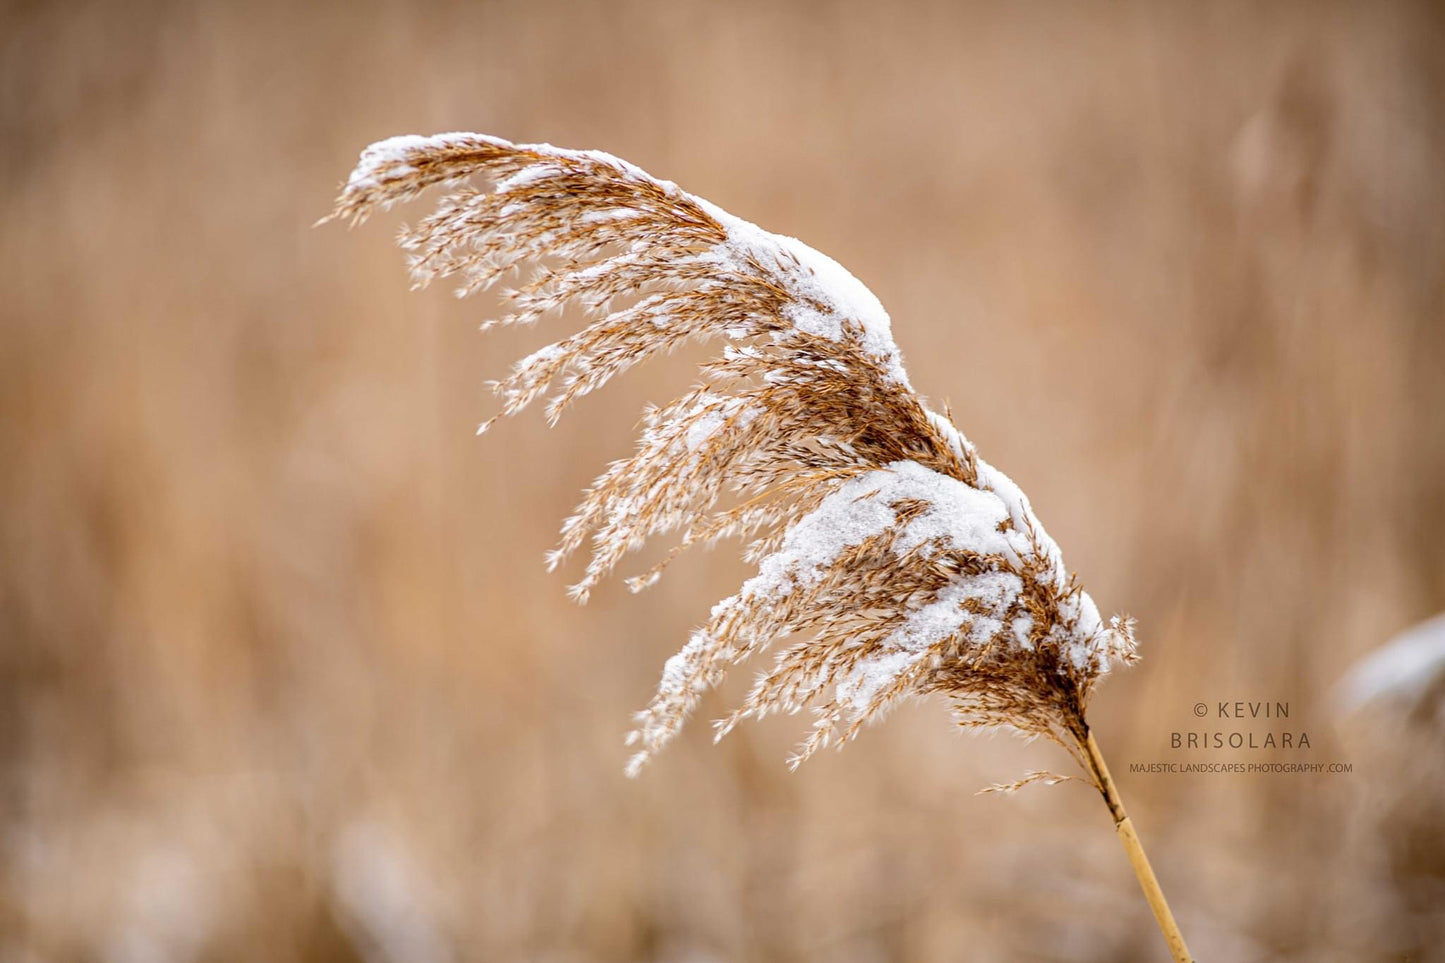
(1135, 849)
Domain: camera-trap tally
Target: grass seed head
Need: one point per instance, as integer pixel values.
(894, 560)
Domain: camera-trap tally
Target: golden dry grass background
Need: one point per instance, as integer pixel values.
(282, 676)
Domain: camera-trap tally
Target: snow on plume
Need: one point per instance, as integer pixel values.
(892, 561)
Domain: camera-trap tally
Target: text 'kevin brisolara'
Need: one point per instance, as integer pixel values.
(1239, 740)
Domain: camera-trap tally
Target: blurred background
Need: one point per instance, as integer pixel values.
(282, 676)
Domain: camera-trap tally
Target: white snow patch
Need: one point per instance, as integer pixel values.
(710, 414)
(381, 891)
(527, 175)
(1401, 671)
(871, 676)
(387, 159)
(812, 277)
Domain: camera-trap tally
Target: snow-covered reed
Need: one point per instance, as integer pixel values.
(891, 556)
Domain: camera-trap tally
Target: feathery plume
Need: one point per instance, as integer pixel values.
(903, 563)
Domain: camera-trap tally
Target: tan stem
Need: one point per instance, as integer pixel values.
(1135, 849)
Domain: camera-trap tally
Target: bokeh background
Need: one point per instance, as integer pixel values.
(282, 676)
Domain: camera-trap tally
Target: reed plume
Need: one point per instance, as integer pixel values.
(892, 560)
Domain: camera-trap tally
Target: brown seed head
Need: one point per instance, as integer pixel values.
(896, 560)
